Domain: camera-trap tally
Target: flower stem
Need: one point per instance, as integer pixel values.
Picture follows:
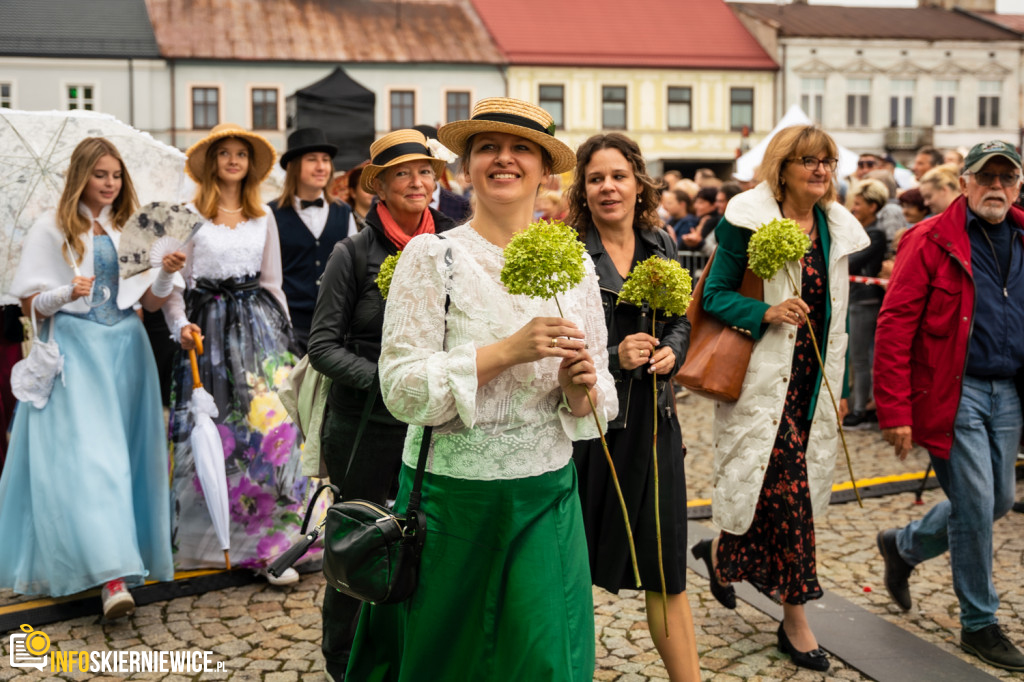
(831, 395)
(615, 477)
(657, 488)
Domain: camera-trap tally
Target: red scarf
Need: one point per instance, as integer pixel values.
(396, 234)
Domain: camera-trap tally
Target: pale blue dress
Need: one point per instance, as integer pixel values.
(84, 496)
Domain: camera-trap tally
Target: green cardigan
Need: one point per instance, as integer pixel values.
(722, 299)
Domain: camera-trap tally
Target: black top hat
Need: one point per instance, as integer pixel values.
(304, 141)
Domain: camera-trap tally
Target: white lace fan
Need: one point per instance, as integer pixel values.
(152, 232)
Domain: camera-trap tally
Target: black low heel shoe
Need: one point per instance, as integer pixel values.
(725, 595)
(815, 659)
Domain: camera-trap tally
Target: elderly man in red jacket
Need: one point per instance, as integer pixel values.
(948, 348)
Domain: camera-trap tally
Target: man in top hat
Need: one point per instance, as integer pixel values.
(308, 222)
(949, 349)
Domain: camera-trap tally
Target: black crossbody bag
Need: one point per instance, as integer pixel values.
(370, 552)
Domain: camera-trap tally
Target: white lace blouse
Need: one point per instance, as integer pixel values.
(220, 252)
(514, 426)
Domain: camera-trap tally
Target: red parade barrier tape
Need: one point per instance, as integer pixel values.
(868, 280)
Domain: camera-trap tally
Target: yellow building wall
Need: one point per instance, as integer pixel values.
(647, 104)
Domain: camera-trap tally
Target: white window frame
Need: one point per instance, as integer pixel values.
(559, 125)
(901, 102)
(858, 98)
(249, 89)
(990, 94)
(944, 110)
(416, 98)
(669, 104)
(66, 98)
(444, 101)
(812, 98)
(11, 94)
(189, 88)
(624, 102)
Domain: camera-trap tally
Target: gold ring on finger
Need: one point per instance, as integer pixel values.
(554, 342)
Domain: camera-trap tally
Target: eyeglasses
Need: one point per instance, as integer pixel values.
(811, 162)
(866, 163)
(1005, 179)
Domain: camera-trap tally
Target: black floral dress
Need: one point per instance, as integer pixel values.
(776, 554)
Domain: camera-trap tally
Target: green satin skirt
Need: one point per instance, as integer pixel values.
(504, 590)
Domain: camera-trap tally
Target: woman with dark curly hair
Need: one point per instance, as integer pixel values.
(613, 204)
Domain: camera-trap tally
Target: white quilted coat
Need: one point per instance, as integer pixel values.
(744, 431)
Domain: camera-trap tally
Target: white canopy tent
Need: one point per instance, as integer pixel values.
(748, 163)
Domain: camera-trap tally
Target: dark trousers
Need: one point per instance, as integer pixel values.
(373, 473)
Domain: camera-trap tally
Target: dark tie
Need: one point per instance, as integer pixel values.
(316, 202)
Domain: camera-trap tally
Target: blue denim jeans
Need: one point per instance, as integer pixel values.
(978, 480)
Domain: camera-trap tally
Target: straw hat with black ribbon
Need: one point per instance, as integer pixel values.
(263, 153)
(513, 116)
(394, 148)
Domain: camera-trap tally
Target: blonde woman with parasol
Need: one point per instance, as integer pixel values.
(232, 297)
(83, 498)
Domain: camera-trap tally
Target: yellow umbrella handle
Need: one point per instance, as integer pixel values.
(198, 341)
(196, 383)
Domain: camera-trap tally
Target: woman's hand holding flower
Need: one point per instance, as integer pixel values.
(791, 311)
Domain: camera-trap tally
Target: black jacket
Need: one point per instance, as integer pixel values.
(868, 263)
(345, 337)
(673, 332)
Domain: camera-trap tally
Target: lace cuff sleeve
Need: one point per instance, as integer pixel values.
(421, 381)
(588, 297)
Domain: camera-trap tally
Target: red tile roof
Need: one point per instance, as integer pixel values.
(323, 31)
(834, 21)
(1014, 22)
(700, 34)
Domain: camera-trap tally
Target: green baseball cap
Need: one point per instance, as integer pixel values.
(982, 152)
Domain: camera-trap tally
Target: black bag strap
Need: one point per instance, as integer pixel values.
(421, 463)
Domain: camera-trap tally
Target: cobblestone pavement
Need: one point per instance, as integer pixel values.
(273, 634)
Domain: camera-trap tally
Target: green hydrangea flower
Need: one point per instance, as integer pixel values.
(543, 260)
(387, 271)
(774, 244)
(664, 284)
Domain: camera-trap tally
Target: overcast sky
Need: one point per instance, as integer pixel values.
(1003, 6)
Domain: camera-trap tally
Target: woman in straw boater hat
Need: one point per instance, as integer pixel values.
(233, 299)
(504, 587)
(100, 432)
(363, 450)
(309, 224)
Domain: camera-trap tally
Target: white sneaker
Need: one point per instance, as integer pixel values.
(289, 577)
(117, 600)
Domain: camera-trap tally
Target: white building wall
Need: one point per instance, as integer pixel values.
(40, 84)
(709, 138)
(968, 63)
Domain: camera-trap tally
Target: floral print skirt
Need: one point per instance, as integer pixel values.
(776, 554)
(246, 357)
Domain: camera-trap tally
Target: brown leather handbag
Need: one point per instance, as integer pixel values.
(717, 358)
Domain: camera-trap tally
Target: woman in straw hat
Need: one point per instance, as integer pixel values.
(504, 587)
(233, 298)
(83, 498)
(362, 441)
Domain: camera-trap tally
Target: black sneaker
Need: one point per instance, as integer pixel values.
(1019, 507)
(991, 645)
(857, 421)
(897, 571)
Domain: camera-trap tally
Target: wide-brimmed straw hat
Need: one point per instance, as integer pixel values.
(394, 148)
(514, 116)
(263, 153)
